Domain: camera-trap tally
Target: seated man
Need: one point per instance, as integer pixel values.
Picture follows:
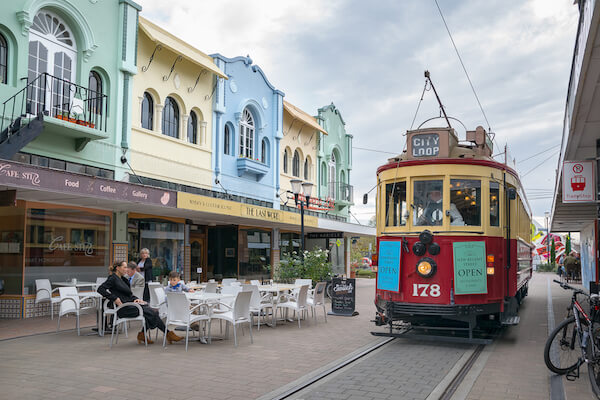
(433, 213)
(136, 280)
(175, 284)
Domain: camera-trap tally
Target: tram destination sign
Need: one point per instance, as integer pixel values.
(425, 145)
(470, 275)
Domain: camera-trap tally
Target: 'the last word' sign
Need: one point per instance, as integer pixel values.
(578, 182)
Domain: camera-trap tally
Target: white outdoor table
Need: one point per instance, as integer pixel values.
(206, 297)
(277, 289)
(78, 284)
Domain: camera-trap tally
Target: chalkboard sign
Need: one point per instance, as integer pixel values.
(343, 296)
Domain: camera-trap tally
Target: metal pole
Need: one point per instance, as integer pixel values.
(302, 226)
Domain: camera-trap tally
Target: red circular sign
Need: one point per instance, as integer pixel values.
(577, 168)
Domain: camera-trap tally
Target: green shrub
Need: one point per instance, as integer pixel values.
(314, 266)
(548, 267)
(365, 273)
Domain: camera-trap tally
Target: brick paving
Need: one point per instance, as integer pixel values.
(70, 367)
(400, 370)
(515, 368)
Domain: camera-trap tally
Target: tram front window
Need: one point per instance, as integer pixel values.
(465, 196)
(396, 212)
(428, 209)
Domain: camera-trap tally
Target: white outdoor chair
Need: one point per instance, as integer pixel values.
(318, 299)
(124, 320)
(299, 306)
(236, 283)
(43, 294)
(109, 312)
(180, 313)
(238, 314)
(300, 282)
(227, 281)
(255, 282)
(138, 292)
(260, 303)
(70, 303)
(158, 301)
(211, 287)
(99, 281)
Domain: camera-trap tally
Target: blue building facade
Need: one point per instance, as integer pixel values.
(247, 128)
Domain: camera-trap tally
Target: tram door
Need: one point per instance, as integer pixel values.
(198, 257)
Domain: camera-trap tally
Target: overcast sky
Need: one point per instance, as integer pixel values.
(369, 57)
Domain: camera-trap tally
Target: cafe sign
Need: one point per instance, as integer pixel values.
(470, 275)
(29, 176)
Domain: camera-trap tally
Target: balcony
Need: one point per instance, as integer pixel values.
(342, 193)
(69, 110)
(252, 167)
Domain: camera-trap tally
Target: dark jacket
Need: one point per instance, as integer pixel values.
(147, 270)
(115, 287)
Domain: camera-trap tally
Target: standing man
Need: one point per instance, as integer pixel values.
(570, 265)
(145, 267)
(136, 280)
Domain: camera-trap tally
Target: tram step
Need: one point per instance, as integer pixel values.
(514, 320)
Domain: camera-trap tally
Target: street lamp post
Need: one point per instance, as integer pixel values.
(306, 191)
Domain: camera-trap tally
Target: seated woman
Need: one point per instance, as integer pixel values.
(116, 289)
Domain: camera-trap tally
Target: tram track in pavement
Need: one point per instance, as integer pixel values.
(445, 390)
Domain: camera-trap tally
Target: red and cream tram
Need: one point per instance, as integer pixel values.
(453, 235)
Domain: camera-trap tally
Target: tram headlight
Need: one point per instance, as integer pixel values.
(426, 267)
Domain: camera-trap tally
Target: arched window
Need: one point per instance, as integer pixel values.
(170, 118)
(247, 134)
(323, 174)
(332, 176)
(3, 60)
(147, 111)
(95, 94)
(192, 128)
(227, 141)
(296, 164)
(285, 161)
(264, 151)
(306, 169)
(52, 50)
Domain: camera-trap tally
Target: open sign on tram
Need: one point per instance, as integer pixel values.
(578, 182)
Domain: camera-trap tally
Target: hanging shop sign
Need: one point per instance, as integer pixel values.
(578, 182)
(33, 177)
(325, 235)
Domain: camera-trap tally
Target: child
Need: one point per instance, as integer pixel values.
(175, 284)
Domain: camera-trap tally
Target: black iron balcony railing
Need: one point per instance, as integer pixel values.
(58, 98)
(341, 191)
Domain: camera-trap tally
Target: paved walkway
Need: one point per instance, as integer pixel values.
(66, 366)
(514, 365)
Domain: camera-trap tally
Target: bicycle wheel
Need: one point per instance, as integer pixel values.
(563, 347)
(594, 362)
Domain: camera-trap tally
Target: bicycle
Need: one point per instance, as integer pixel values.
(578, 333)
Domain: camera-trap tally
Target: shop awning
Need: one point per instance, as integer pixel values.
(298, 114)
(167, 40)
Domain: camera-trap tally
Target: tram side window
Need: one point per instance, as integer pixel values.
(494, 204)
(427, 203)
(465, 202)
(395, 204)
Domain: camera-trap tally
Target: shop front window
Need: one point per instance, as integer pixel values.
(11, 248)
(254, 247)
(164, 240)
(63, 244)
(289, 243)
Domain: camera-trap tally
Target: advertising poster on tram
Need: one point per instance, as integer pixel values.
(388, 273)
(470, 276)
(578, 182)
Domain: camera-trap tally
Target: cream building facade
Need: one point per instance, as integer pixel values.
(172, 110)
(298, 149)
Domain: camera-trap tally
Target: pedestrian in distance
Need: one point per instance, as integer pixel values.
(145, 268)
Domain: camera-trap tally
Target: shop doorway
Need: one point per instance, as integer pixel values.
(198, 257)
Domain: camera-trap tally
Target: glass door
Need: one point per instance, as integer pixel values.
(198, 258)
